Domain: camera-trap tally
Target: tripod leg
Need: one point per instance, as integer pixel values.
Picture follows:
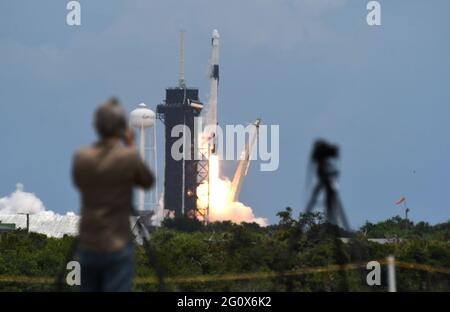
(313, 199)
(330, 211)
(151, 254)
(341, 214)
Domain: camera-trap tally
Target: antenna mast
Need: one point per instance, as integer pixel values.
(182, 81)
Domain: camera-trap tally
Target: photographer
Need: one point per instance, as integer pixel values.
(105, 174)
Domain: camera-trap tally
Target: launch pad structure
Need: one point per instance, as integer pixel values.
(182, 177)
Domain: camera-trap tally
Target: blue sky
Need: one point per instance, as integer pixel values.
(314, 67)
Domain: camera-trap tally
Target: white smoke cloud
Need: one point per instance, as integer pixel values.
(21, 202)
(221, 208)
(238, 213)
(159, 212)
(230, 211)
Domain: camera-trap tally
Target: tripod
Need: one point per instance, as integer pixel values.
(321, 156)
(143, 222)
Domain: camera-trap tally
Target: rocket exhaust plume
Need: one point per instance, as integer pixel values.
(220, 202)
(217, 193)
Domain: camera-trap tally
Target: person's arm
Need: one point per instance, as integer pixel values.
(143, 177)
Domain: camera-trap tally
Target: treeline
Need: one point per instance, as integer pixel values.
(223, 256)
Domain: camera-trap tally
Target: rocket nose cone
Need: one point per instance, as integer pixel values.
(215, 34)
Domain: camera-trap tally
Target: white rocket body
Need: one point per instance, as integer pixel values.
(211, 115)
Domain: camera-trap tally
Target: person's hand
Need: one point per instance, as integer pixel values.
(128, 137)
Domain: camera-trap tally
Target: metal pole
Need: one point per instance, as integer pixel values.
(182, 81)
(209, 183)
(392, 287)
(155, 169)
(183, 159)
(142, 151)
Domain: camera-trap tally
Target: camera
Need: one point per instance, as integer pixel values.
(323, 150)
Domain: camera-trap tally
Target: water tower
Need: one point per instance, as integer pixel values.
(143, 119)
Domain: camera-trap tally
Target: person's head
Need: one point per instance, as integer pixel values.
(110, 121)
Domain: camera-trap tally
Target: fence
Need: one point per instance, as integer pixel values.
(390, 262)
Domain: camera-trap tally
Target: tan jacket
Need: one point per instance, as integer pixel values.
(105, 174)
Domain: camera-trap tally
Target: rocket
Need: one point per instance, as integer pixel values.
(211, 117)
(214, 75)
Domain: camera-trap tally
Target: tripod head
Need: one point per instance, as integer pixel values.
(322, 151)
(322, 155)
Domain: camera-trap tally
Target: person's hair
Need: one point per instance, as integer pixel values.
(110, 120)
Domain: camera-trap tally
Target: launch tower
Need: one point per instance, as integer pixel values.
(180, 107)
